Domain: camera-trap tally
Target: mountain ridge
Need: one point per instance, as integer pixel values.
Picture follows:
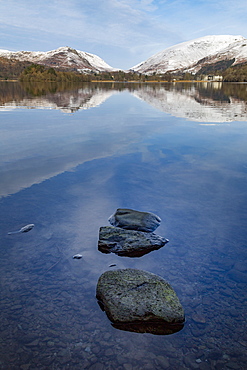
(63, 57)
(194, 56)
(191, 56)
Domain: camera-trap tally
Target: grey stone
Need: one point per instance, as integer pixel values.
(33, 343)
(190, 361)
(97, 366)
(241, 266)
(238, 276)
(130, 243)
(139, 301)
(233, 365)
(162, 361)
(135, 220)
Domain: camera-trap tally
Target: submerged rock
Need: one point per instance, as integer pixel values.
(24, 229)
(129, 243)
(140, 301)
(135, 220)
(238, 276)
(77, 256)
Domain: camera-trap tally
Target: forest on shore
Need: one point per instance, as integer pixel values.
(29, 72)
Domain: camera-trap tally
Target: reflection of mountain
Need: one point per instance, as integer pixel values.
(68, 101)
(203, 102)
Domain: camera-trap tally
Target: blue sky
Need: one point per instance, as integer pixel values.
(122, 32)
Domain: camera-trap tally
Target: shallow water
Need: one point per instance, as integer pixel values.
(69, 157)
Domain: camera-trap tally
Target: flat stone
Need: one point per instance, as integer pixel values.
(233, 365)
(190, 361)
(199, 318)
(162, 361)
(25, 367)
(238, 276)
(127, 366)
(241, 266)
(33, 343)
(97, 366)
(135, 220)
(130, 243)
(139, 301)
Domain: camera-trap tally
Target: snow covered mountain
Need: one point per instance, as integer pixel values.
(191, 56)
(63, 57)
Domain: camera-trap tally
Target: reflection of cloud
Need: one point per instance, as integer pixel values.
(67, 102)
(37, 146)
(40, 145)
(54, 151)
(191, 105)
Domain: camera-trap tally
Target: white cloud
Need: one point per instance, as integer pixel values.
(135, 29)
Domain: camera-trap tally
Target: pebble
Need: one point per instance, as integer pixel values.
(97, 366)
(109, 352)
(33, 343)
(197, 317)
(127, 366)
(16, 307)
(233, 365)
(190, 362)
(77, 256)
(207, 300)
(238, 276)
(162, 361)
(25, 367)
(241, 266)
(78, 345)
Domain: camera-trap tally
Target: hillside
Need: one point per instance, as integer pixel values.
(189, 60)
(10, 69)
(64, 58)
(194, 55)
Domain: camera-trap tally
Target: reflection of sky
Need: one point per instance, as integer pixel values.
(123, 153)
(39, 144)
(192, 176)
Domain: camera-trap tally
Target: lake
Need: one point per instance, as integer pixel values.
(72, 155)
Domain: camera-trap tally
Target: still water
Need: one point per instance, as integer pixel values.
(72, 155)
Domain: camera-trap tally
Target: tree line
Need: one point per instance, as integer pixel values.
(38, 72)
(28, 72)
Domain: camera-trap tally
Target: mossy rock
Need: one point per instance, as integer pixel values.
(131, 296)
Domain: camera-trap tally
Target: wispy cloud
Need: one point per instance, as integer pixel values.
(123, 32)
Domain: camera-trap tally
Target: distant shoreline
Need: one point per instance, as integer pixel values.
(126, 82)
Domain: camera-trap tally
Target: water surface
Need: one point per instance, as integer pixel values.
(71, 155)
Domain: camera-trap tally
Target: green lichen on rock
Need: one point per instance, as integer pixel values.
(130, 295)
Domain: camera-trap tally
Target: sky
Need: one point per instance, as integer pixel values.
(122, 32)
